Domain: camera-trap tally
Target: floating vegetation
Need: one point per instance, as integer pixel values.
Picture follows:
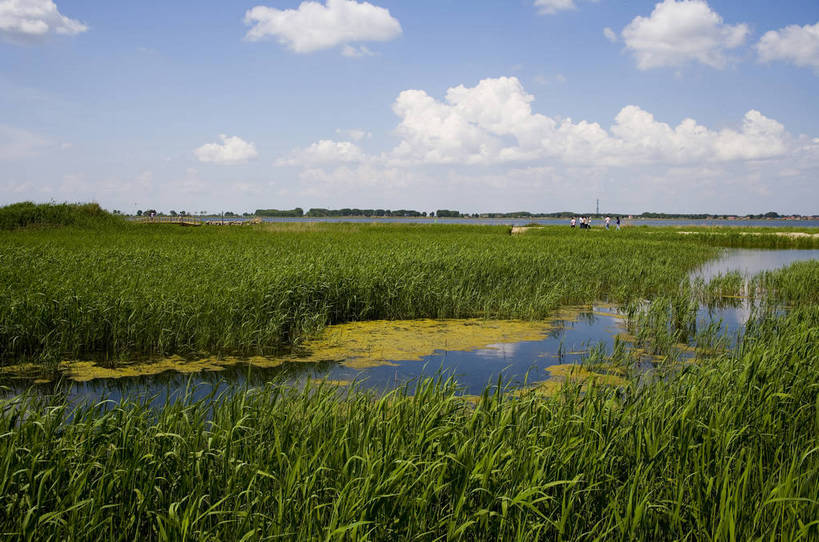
(85, 371)
(577, 375)
(381, 342)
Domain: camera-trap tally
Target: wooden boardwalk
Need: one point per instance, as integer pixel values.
(181, 220)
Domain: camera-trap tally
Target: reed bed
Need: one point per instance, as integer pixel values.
(723, 450)
(149, 290)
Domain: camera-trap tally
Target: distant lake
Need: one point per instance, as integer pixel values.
(550, 221)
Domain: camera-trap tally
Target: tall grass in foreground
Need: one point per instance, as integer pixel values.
(723, 450)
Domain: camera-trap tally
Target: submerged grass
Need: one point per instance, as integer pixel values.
(720, 451)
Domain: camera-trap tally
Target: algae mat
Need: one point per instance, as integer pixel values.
(576, 374)
(361, 345)
(86, 371)
(356, 345)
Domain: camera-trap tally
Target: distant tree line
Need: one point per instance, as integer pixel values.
(319, 212)
(446, 213)
(281, 213)
(298, 212)
(770, 214)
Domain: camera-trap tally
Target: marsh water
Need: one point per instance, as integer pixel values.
(750, 262)
(566, 339)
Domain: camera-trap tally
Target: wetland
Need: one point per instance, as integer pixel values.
(349, 381)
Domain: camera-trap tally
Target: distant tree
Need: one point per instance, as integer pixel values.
(173, 213)
(446, 213)
(139, 212)
(297, 212)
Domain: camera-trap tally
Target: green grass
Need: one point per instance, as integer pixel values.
(724, 450)
(27, 215)
(147, 290)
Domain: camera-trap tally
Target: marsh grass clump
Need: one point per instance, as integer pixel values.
(717, 451)
(28, 214)
(795, 284)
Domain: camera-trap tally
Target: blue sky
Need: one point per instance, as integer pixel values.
(480, 106)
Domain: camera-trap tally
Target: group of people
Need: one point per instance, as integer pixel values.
(586, 222)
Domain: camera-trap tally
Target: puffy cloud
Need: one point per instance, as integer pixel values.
(23, 21)
(678, 32)
(313, 26)
(324, 152)
(232, 150)
(493, 123)
(796, 44)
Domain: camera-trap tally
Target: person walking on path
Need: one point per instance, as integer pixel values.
(617, 223)
(573, 222)
(608, 221)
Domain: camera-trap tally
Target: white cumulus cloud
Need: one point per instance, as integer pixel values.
(314, 26)
(23, 21)
(232, 150)
(493, 123)
(796, 44)
(678, 32)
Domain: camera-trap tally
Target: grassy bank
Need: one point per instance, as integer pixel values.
(145, 290)
(724, 450)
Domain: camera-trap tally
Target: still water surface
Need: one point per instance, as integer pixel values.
(544, 221)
